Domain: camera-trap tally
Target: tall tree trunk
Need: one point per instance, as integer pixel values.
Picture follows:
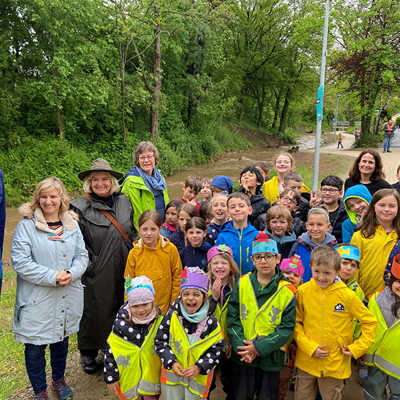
(285, 108)
(157, 79)
(60, 121)
(382, 108)
(276, 109)
(122, 88)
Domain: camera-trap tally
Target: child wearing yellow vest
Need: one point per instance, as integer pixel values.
(222, 271)
(325, 311)
(189, 341)
(383, 357)
(131, 367)
(260, 320)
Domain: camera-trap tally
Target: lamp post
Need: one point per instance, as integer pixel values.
(320, 99)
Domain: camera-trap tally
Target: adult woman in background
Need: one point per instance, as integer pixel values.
(48, 253)
(105, 218)
(144, 185)
(368, 171)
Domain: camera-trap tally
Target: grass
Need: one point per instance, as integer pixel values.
(12, 364)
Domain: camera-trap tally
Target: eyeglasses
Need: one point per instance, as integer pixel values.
(266, 257)
(144, 158)
(329, 190)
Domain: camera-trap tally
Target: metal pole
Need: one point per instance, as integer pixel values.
(320, 99)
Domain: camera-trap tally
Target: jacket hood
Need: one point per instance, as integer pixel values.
(67, 218)
(138, 180)
(358, 192)
(289, 237)
(249, 228)
(337, 284)
(305, 238)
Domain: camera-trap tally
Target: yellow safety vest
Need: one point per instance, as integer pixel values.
(262, 321)
(220, 314)
(187, 355)
(139, 368)
(384, 353)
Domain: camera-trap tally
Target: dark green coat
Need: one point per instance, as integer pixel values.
(271, 357)
(104, 276)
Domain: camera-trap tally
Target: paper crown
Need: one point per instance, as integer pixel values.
(263, 244)
(220, 249)
(292, 264)
(194, 277)
(349, 252)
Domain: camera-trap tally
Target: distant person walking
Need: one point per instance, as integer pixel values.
(356, 134)
(340, 140)
(389, 130)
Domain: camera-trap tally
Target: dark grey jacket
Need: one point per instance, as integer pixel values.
(104, 277)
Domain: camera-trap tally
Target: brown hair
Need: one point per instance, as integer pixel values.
(232, 273)
(145, 146)
(190, 209)
(369, 222)
(196, 222)
(194, 182)
(262, 165)
(296, 196)
(292, 176)
(150, 215)
(327, 255)
(239, 195)
(354, 173)
(278, 211)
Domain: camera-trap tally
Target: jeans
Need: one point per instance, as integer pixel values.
(386, 142)
(35, 362)
(374, 385)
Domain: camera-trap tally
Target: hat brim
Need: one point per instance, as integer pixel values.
(83, 175)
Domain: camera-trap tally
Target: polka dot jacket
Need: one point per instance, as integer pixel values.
(208, 360)
(126, 329)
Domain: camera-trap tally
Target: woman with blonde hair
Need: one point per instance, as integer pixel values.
(48, 253)
(105, 218)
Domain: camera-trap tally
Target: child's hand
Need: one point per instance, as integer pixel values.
(228, 351)
(248, 352)
(314, 200)
(178, 369)
(320, 353)
(216, 288)
(113, 388)
(346, 351)
(191, 372)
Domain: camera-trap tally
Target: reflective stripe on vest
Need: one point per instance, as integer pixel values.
(139, 368)
(187, 355)
(385, 351)
(221, 315)
(262, 321)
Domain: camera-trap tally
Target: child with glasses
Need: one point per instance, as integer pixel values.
(261, 318)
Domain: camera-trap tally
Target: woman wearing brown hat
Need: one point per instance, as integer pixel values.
(105, 219)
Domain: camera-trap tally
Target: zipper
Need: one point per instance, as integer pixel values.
(322, 328)
(240, 250)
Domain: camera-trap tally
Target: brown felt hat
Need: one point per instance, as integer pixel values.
(99, 165)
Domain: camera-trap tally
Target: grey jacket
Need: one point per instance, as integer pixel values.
(45, 312)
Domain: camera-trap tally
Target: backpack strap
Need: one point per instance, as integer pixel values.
(117, 225)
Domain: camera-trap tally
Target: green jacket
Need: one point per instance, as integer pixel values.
(140, 196)
(271, 357)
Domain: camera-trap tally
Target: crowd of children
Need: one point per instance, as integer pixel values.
(268, 284)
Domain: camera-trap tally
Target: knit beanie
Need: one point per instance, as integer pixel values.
(263, 244)
(139, 290)
(216, 250)
(194, 277)
(292, 264)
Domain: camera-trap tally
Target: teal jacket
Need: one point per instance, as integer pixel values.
(271, 356)
(140, 196)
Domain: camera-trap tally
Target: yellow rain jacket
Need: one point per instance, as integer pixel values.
(325, 317)
(271, 189)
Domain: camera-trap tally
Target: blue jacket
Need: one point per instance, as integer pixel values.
(2, 220)
(46, 313)
(195, 256)
(303, 248)
(178, 239)
(241, 243)
(350, 224)
(213, 231)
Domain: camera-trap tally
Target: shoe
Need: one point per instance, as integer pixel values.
(388, 151)
(89, 364)
(63, 391)
(41, 396)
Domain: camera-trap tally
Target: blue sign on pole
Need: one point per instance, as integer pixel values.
(320, 102)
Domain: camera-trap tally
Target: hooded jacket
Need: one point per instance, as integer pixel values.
(374, 255)
(161, 264)
(241, 243)
(325, 317)
(45, 312)
(285, 243)
(303, 248)
(350, 224)
(195, 256)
